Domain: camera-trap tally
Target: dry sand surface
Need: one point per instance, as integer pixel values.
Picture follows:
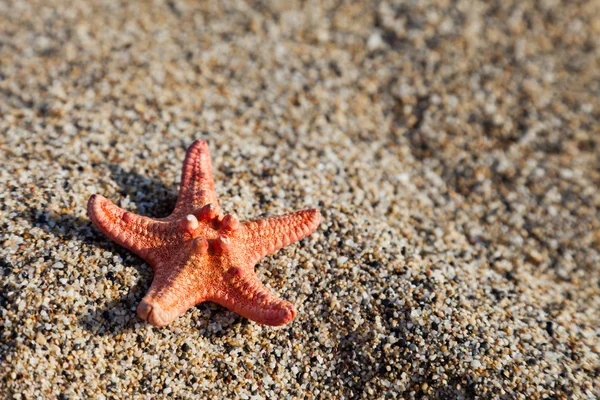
(451, 146)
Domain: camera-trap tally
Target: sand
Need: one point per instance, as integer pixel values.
(452, 148)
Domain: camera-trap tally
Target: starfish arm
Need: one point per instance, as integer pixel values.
(173, 291)
(248, 297)
(266, 235)
(197, 184)
(134, 232)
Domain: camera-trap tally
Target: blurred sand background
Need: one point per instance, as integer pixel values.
(451, 146)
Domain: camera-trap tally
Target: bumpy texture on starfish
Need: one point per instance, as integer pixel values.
(198, 254)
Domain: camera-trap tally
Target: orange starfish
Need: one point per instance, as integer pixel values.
(198, 254)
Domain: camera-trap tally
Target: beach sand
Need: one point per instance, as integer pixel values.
(453, 149)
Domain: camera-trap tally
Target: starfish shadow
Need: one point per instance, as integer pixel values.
(152, 197)
(116, 316)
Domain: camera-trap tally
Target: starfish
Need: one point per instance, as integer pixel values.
(198, 254)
